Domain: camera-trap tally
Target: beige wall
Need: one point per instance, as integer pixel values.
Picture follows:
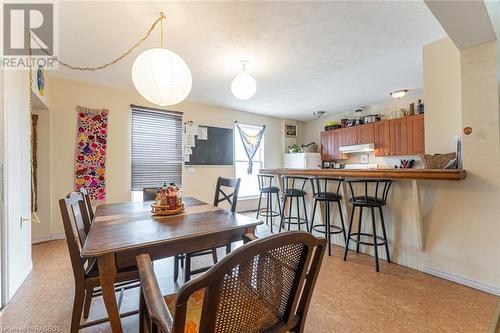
(65, 95)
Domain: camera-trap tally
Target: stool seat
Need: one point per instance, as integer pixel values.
(270, 189)
(367, 201)
(327, 196)
(295, 193)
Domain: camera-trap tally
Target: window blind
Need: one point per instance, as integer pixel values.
(156, 147)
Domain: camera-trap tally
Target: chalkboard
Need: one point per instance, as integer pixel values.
(218, 149)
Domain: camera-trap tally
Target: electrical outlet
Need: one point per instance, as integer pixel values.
(191, 170)
(364, 158)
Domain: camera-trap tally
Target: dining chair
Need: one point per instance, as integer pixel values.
(88, 203)
(220, 196)
(264, 286)
(76, 221)
(149, 193)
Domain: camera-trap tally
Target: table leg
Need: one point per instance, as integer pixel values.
(417, 210)
(107, 274)
(347, 210)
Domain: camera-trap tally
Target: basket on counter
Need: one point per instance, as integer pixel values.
(310, 149)
(437, 161)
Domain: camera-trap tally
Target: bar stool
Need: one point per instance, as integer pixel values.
(380, 189)
(320, 188)
(266, 187)
(293, 187)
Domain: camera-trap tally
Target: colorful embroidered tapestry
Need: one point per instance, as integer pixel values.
(91, 151)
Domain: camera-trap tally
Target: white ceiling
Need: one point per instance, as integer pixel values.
(305, 56)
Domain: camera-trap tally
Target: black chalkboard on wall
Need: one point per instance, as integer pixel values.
(218, 149)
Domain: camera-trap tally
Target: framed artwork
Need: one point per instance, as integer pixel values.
(291, 130)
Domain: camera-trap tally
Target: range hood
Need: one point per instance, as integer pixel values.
(367, 147)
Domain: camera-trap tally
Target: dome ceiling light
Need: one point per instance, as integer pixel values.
(161, 76)
(398, 93)
(243, 86)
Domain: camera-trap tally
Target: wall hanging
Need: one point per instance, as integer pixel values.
(251, 144)
(91, 144)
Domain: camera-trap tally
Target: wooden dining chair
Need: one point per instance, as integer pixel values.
(76, 224)
(264, 286)
(220, 196)
(88, 203)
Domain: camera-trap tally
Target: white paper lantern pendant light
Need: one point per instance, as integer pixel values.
(243, 85)
(161, 76)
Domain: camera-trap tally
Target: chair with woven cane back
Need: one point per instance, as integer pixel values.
(76, 222)
(220, 196)
(264, 286)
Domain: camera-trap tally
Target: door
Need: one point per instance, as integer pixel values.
(338, 141)
(382, 138)
(398, 137)
(325, 146)
(350, 136)
(365, 133)
(416, 134)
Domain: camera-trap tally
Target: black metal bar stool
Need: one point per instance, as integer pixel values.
(321, 188)
(379, 188)
(266, 187)
(293, 187)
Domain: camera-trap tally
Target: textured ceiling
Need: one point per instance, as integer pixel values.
(305, 56)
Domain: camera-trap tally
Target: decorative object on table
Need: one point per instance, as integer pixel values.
(406, 164)
(40, 80)
(437, 161)
(251, 143)
(310, 148)
(295, 148)
(91, 151)
(291, 130)
(168, 200)
(243, 85)
(331, 125)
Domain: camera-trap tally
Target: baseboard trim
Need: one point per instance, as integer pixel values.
(464, 281)
(54, 236)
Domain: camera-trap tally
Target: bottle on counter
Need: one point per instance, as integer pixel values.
(420, 107)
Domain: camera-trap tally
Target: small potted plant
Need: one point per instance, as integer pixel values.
(295, 148)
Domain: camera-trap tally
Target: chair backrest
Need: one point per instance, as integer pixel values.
(321, 185)
(149, 194)
(263, 286)
(265, 181)
(376, 188)
(75, 221)
(88, 203)
(294, 183)
(221, 196)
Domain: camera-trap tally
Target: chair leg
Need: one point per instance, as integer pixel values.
(228, 249)
(88, 300)
(214, 256)
(349, 233)
(342, 220)
(359, 227)
(77, 308)
(290, 212)
(271, 209)
(142, 309)
(282, 220)
(375, 245)
(176, 268)
(327, 228)
(385, 235)
(258, 207)
(187, 268)
(298, 212)
(267, 209)
(313, 214)
(305, 213)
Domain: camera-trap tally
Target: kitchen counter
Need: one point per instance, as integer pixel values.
(415, 174)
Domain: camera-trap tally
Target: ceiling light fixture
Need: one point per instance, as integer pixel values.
(318, 114)
(243, 85)
(398, 93)
(161, 76)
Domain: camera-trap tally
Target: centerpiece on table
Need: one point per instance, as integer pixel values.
(168, 200)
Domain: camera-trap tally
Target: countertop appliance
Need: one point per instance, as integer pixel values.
(303, 161)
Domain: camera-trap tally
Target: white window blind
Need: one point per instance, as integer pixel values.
(156, 147)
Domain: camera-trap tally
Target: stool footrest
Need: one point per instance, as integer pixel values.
(299, 220)
(382, 241)
(266, 213)
(337, 230)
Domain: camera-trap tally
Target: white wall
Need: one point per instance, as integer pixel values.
(18, 180)
(65, 95)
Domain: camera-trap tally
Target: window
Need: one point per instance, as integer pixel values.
(249, 186)
(156, 149)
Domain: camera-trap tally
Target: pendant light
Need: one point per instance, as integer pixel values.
(161, 76)
(243, 85)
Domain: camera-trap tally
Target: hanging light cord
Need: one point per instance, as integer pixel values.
(121, 57)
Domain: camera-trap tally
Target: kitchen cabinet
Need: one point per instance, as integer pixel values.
(416, 134)
(349, 136)
(365, 133)
(325, 146)
(382, 138)
(331, 141)
(398, 141)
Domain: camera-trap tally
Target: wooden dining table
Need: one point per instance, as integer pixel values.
(121, 231)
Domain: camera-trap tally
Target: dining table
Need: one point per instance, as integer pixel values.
(121, 231)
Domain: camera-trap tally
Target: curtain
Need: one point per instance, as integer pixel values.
(251, 144)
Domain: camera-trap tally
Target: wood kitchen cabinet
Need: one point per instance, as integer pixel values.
(331, 141)
(349, 136)
(382, 138)
(359, 134)
(398, 141)
(415, 134)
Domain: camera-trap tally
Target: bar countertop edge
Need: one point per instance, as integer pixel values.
(424, 174)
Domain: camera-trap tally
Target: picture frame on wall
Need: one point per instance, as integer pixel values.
(290, 131)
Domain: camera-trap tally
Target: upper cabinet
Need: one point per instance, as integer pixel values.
(382, 138)
(331, 141)
(349, 136)
(398, 142)
(359, 134)
(416, 134)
